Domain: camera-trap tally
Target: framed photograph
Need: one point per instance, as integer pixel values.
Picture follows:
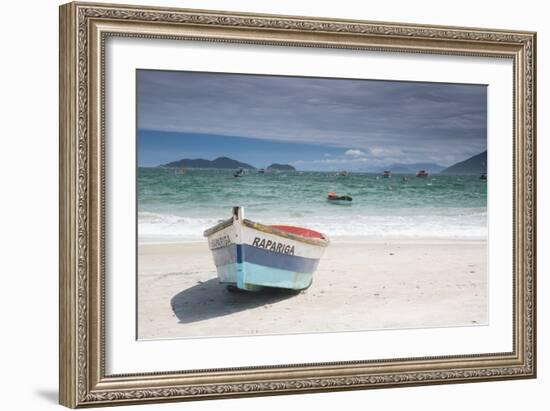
(260, 205)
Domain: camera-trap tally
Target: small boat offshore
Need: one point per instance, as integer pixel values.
(251, 256)
(240, 172)
(333, 197)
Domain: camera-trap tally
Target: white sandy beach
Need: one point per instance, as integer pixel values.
(360, 285)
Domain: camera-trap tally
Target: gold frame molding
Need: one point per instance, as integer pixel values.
(84, 28)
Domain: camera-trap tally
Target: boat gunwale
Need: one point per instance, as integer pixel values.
(218, 227)
(322, 242)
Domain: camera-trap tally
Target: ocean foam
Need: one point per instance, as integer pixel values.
(450, 224)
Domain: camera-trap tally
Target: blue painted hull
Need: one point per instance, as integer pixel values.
(254, 277)
(252, 268)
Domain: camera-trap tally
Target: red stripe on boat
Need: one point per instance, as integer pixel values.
(304, 232)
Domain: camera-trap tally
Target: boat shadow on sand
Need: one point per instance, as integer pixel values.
(210, 299)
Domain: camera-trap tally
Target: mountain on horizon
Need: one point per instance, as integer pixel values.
(473, 165)
(220, 162)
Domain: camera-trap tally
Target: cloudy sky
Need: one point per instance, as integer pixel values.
(312, 123)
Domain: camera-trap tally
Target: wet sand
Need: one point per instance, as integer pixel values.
(359, 285)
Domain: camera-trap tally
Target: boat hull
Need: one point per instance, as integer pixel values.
(254, 277)
(250, 267)
(252, 258)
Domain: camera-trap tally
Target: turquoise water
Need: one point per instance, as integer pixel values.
(179, 207)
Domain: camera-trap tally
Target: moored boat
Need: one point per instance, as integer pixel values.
(335, 197)
(422, 173)
(251, 256)
(386, 174)
(240, 172)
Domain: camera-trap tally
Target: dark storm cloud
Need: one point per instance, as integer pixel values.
(385, 121)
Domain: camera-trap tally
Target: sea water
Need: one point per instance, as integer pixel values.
(179, 207)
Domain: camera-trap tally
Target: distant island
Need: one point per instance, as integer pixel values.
(280, 167)
(474, 165)
(220, 162)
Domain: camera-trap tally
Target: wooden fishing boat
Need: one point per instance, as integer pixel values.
(251, 256)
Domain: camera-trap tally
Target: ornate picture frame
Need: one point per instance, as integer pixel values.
(84, 30)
